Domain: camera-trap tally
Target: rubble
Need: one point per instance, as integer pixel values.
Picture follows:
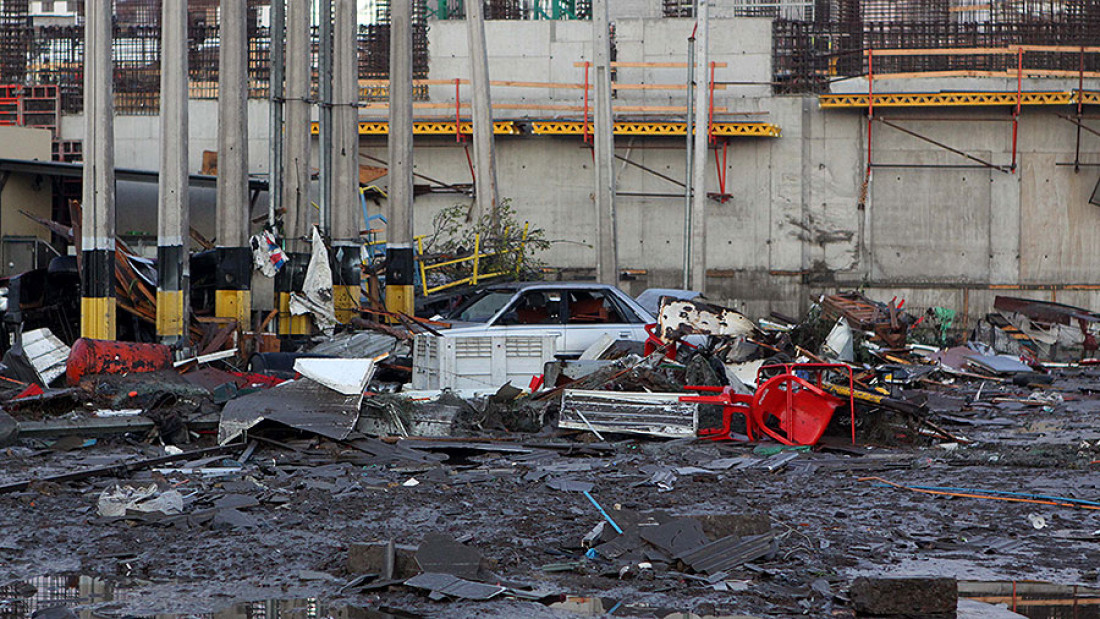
(772, 469)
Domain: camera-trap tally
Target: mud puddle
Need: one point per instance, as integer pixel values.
(1036, 600)
(88, 597)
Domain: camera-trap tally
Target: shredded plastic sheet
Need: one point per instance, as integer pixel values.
(316, 298)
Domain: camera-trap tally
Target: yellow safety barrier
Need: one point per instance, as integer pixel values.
(476, 275)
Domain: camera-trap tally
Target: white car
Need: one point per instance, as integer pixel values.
(579, 313)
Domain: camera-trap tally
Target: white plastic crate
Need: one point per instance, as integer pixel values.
(478, 361)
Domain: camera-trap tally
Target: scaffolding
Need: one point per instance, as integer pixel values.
(809, 54)
(514, 9)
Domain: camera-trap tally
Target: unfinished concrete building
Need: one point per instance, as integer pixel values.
(935, 151)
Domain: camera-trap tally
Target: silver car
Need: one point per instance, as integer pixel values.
(579, 313)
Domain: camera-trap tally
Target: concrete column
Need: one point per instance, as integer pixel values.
(174, 215)
(607, 254)
(324, 115)
(484, 149)
(346, 210)
(276, 96)
(296, 167)
(234, 271)
(97, 236)
(399, 216)
(702, 137)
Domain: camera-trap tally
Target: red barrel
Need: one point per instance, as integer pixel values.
(109, 357)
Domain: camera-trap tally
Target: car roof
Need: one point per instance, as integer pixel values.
(584, 285)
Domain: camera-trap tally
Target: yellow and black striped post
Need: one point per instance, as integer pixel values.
(174, 217)
(400, 279)
(97, 303)
(347, 276)
(233, 291)
(287, 280)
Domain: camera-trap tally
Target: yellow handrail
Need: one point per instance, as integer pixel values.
(476, 275)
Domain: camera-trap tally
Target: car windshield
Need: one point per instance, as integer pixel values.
(483, 307)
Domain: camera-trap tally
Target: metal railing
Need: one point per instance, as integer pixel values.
(474, 260)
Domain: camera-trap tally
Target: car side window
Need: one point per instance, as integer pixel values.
(593, 307)
(535, 307)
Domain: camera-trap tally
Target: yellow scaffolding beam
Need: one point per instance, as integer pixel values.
(575, 127)
(954, 99)
(372, 127)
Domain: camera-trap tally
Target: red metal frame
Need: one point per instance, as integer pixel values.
(587, 133)
(731, 402)
(458, 110)
(710, 108)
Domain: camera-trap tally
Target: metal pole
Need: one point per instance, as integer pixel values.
(699, 170)
(97, 242)
(173, 219)
(232, 297)
(399, 226)
(607, 259)
(689, 159)
(484, 149)
(276, 95)
(324, 114)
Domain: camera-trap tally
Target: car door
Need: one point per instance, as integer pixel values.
(532, 312)
(592, 313)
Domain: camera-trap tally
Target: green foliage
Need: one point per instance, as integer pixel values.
(513, 249)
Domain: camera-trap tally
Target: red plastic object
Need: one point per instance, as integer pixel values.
(108, 357)
(731, 402)
(32, 390)
(652, 343)
(536, 382)
(804, 410)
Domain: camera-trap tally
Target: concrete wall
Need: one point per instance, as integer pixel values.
(793, 225)
(25, 192)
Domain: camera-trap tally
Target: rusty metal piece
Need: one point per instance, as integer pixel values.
(109, 357)
(886, 321)
(676, 319)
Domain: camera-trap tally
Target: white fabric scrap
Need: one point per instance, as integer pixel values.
(316, 298)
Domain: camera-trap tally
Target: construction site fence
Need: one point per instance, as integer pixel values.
(470, 270)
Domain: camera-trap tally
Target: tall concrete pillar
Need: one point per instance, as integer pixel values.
(97, 237)
(233, 297)
(484, 150)
(296, 166)
(324, 115)
(174, 214)
(276, 98)
(346, 211)
(399, 218)
(699, 170)
(607, 254)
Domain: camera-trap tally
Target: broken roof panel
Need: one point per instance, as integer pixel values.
(301, 404)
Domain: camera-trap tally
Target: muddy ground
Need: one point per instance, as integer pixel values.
(302, 509)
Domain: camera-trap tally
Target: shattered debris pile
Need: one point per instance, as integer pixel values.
(825, 467)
